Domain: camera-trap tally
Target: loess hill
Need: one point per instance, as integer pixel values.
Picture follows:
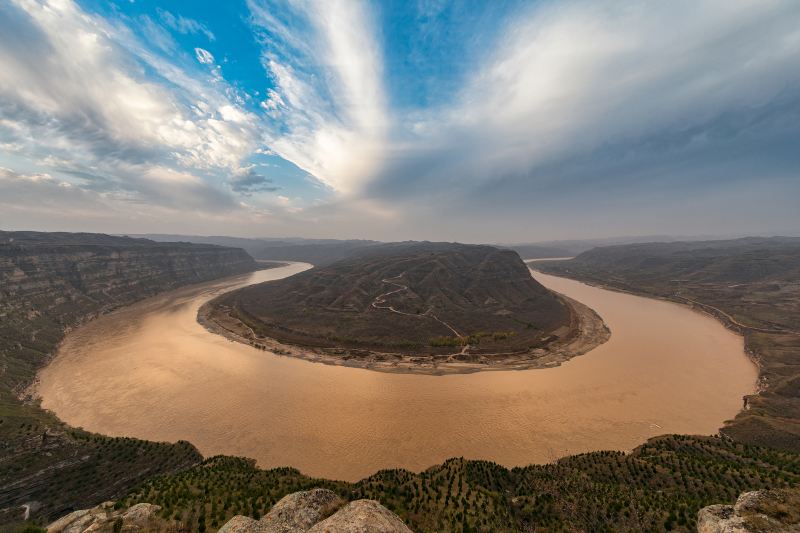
(411, 298)
(51, 283)
(751, 284)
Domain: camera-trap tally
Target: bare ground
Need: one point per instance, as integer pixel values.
(586, 331)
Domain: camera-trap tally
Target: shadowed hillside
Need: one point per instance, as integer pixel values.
(751, 284)
(410, 297)
(49, 284)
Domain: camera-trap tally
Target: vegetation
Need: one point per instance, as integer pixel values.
(658, 487)
(49, 283)
(471, 340)
(414, 298)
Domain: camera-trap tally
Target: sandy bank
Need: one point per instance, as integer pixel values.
(587, 331)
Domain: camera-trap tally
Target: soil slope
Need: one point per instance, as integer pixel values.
(444, 302)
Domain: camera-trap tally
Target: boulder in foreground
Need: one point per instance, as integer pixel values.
(761, 511)
(320, 511)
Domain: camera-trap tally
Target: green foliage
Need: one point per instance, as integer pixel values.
(33, 529)
(658, 487)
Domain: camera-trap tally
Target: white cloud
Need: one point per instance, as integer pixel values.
(204, 56)
(329, 101)
(73, 87)
(572, 77)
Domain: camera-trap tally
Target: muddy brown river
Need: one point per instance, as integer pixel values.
(151, 371)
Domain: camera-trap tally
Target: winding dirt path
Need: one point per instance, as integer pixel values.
(381, 299)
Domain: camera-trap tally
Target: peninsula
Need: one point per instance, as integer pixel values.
(412, 307)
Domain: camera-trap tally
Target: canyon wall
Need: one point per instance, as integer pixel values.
(51, 282)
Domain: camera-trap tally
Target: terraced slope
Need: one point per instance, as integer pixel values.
(410, 298)
(660, 486)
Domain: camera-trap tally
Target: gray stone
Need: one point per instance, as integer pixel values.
(361, 516)
(763, 511)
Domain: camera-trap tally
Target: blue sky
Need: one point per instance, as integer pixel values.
(429, 119)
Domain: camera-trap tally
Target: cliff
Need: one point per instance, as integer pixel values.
(49, 284)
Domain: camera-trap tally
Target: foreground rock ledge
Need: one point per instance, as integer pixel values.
(762, 511)
(313, 511)
(320, 511)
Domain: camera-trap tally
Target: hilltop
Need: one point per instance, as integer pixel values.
(412, 305)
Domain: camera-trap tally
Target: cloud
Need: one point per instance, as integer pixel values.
(575, 84)
(204, 56)
(328, 104)
(248, 181)
(559, 115)
(184, 25)
(78, 88)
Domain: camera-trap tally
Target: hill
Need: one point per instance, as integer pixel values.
(318, 252)
(659, 486)
(49, 469)
(751, 284)
(49, 284)
(435, 302)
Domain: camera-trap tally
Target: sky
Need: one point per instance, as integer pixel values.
(478, 121)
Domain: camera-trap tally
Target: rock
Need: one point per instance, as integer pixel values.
(316, 510)
(242, 524)
(763, 511)
(59, 525)
(301, 510)
(141, 517)
(362, 516)
(313, 511)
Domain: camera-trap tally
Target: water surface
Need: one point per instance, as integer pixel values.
(151, 371)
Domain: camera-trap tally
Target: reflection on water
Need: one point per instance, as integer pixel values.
(151, 371)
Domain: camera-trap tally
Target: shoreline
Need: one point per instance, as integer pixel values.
(698, 307)
(587, 331)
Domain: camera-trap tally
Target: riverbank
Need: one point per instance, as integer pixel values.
(760, 307)
(585, 332)
(181, 381)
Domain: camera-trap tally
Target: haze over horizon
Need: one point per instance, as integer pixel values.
(512, 121)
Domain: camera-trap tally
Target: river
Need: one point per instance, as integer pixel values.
(151, 371)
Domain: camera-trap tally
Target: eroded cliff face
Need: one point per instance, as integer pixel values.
(51, 282)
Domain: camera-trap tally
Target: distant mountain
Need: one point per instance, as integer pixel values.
(318, 252)
(321, 252)
(412, 297)
(571, 248)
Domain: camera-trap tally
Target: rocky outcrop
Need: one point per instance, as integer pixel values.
(320, 511)
(763, 511)
(361, 516)
(103, 518)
